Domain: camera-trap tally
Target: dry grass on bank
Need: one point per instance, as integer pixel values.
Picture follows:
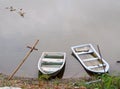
(103, 81)
(30, 83)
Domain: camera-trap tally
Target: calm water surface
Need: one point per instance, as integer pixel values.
(58, 24)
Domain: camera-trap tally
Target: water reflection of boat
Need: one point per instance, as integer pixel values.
(90, 59)
(51, 63)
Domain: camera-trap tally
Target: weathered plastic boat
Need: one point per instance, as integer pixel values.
(90, 59)
(51, 63)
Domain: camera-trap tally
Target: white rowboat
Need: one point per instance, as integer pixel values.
(90, 59)
(51, 62)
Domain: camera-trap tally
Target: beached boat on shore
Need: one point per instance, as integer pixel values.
(51, 63)
(90, 59)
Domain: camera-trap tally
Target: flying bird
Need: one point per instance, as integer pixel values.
(21, 13)
(10, 8)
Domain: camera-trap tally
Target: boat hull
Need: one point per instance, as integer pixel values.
(90, 59)
(51, 63)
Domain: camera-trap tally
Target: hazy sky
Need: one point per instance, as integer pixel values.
(58, 24)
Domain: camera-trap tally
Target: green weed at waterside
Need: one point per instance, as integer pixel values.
(107, 82)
